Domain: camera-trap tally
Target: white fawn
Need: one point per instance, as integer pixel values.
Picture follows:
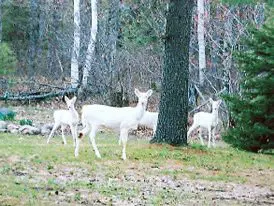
(208, 121)
(122, 118)
(66, 117)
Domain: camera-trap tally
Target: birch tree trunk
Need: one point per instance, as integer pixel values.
(201, 40)
(172, 122)
(91, 46)
(76, 46)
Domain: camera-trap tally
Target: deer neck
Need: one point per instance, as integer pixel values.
(140, 110)
(215, 116)
(74, 113)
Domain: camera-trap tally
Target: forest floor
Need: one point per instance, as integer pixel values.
(35, 173)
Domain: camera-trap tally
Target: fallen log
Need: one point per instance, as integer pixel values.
(33, 96)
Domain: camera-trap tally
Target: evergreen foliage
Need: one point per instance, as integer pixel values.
(252, 111)
(25, 122)
(141, 28)
(7, 114)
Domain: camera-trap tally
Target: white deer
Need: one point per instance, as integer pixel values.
(66, 117)
(208, 121)
(121, 118)
(150, 120)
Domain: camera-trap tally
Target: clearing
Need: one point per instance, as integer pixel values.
(34, 173)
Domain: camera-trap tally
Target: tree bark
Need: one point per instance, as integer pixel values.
(172, 122)
(33, 34)
(201, 40)
(91, 46)
(76, 46)
(0, 21)
(110, 52)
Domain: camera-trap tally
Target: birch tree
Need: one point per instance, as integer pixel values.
(76, 46)
(91, 46)
(201, 40)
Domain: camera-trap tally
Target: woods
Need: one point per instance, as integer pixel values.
(131, 50)
(138, 87)
(102, 50)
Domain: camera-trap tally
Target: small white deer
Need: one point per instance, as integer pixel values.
(66, 117)
(206, 120)
(150, 120)
(121, 118)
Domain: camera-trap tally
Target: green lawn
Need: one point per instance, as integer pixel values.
(34, 173)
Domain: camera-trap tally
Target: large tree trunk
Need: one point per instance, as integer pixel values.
(111, 49)
(76, 47)
(41, 32)
(201, 40)
(33, 35)
(0, 21)
(91, 46)
(172, 122)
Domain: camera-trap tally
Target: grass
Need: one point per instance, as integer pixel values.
(34, 173)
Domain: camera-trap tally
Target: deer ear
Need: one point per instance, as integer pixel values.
(137, 92)
(66, 99)
(74, 99)
(149, 93)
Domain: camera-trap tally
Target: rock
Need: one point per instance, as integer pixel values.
(27, 129)
(3, 130)
(14, 131)
(12, 128)
(3, 125)
(46, 129)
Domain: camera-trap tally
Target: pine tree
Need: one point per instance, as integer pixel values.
(252, 110)
(172, 123)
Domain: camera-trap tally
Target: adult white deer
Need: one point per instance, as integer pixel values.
(122, 118)
(66, 117)
(208, 121)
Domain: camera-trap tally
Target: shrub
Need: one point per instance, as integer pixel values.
(252, 110)
(25, 122)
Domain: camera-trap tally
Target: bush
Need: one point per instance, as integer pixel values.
(6, 114)
(252, 110)
(25, 122)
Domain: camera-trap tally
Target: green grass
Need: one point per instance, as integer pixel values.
(34, 173)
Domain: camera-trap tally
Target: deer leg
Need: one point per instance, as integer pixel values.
(92, 140)
(200, 136)
(209, 137)
(193, 127)
(213, 137)
(63, 136)
(55, 127)
(123, 137)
